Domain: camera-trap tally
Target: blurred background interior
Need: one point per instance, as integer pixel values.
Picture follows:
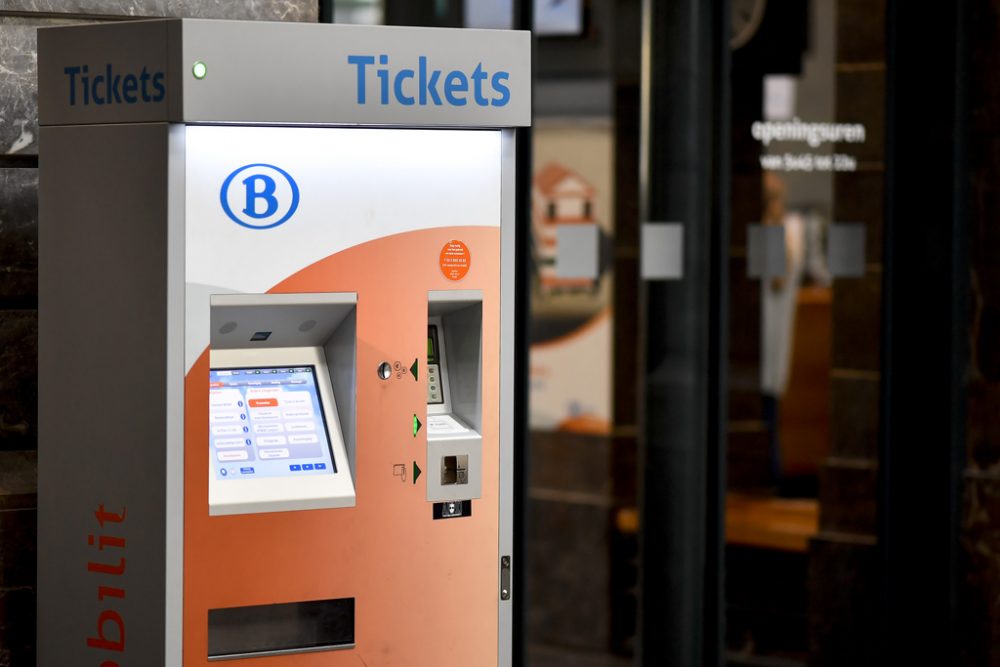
(763, 379)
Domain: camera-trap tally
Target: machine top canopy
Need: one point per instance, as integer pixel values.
(204, 71)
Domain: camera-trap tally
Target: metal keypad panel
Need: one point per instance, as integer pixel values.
(434, 394)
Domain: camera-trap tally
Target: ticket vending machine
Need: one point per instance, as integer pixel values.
(276, 325)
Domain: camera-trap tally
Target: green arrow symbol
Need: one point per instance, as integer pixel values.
(413, 369)
(416, 425)
(416, 472)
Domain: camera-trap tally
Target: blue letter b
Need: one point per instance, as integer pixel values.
(266, 193)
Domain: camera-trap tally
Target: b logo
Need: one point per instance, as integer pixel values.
(259, 196)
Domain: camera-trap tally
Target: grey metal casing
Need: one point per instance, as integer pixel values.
(315, 326)
(110, 389)
(460, 313)
(111, 282)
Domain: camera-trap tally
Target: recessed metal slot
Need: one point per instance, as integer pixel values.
(455, 469)
(276, 629)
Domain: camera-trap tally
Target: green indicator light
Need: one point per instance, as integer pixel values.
(416, 425)
(199, 69)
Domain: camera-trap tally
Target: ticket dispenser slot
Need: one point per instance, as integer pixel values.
(454, 395)
(281, 402)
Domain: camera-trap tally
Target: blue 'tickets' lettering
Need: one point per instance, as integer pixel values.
(361, 62)
(423, 86)
(111, 86)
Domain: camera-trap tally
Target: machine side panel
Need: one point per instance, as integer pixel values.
(102, 390)
(105, 73)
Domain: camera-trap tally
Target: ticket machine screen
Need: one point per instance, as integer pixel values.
(267, 422)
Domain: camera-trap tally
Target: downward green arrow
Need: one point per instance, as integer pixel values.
(416, 425)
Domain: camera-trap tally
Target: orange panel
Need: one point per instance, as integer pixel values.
(426, 591)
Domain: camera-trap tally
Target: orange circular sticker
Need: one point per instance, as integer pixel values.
(455, 260)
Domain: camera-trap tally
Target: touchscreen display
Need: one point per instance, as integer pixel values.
(267, 422)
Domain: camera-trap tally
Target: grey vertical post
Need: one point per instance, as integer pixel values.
(925, 351)
(685, 178)
(523, 20)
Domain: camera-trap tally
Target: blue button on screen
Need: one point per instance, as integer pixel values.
(246, 471)
(320, 466)
(307, 466)
(295, 468)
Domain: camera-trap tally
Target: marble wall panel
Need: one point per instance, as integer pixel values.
(18, 379)
(18, 45)
(18, 84)
(266, 10)
(17, 626)
(18, 479)
(979, 563)
(983, 427)
(17, 548)
(18, 234)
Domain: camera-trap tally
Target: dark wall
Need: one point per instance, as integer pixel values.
(19, 21)
(581, 532)
(842, 557)
(979, 601)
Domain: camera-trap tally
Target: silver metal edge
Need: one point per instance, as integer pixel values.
(174, 374)
(508, 216)
(284, 651)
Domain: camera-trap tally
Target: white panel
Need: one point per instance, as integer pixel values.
(578, 251)
(766, 256)
(564, 17)
(779, 96)
(661, 251)
(845, 254)
(355, 185)
(494, 14)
